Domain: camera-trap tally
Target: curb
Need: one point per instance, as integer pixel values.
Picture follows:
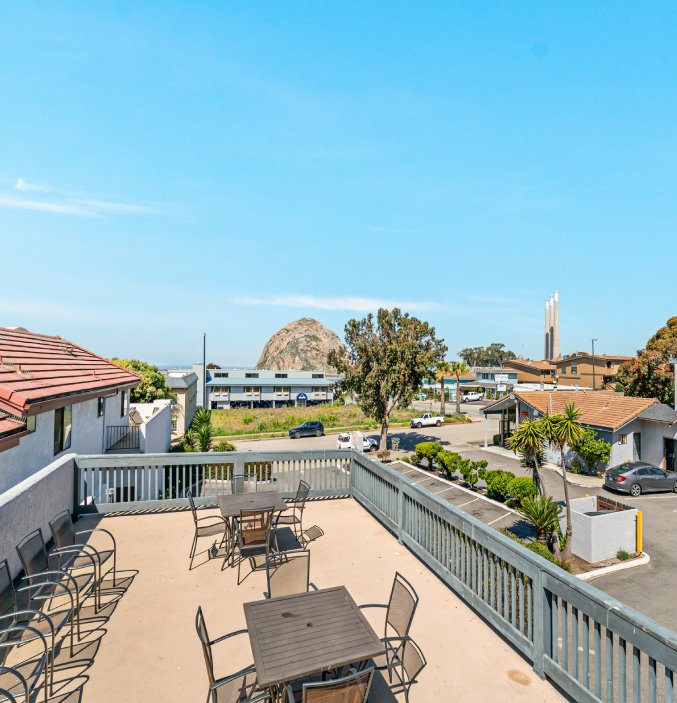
(622, 566)
(558, 471)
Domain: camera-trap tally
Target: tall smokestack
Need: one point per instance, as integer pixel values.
(547, 328)
(555, 345)
(551, 331)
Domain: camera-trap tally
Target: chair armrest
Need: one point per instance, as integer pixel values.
(38, 596)
(60, 551)
(33, 613)
(22, 628)
(99, 529)
(61, 574)
(232, 677)
(373, 605)
(213, 518)
(19, 676)
(313, 586)
(229, 635)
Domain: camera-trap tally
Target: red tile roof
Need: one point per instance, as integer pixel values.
(39, 371)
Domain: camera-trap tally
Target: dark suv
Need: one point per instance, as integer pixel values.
(307, 429)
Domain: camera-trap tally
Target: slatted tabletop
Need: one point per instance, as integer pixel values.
(230, 505)
(296, 636)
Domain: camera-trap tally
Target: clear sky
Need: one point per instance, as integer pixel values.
(169, 168)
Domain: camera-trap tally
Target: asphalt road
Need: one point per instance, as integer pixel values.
(649, 589)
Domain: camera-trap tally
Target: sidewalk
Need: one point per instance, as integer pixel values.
(582, 480)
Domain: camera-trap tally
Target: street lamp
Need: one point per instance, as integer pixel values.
(594, 384)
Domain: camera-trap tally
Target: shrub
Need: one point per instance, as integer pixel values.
(427, 450)
(497, 482)
(622, 555)
(448, 461)
(223, 447)
(537, 548)
(248, 419)
(383, 455)
(591, 449)
(522, 487)
(496, 440)
(472, 471)
(575, 466)
(407, 459)
(543, 513)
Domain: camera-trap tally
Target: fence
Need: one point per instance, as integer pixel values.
(594, 647)
(122, 437)
(147, 481)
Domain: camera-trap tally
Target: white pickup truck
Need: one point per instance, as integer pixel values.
(427, 420)
(471, 395)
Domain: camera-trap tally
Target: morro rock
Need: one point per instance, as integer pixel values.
(302, 345)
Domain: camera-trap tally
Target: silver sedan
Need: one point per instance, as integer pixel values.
(636, 478)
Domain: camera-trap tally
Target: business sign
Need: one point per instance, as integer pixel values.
(501, 387)
(301, 396)
(501, 378)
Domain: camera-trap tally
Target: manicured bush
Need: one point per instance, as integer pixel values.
(522, 487)
(448, 461)
(427, 450)
(497, 482)
(591, 449)
(383, 455)
(496, 440)
(223, 447)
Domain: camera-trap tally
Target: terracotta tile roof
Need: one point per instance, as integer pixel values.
(543, 365)
(587, 355)
(9, 425)
(36, 368)
(598, 408)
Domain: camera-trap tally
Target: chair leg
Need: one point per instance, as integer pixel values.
(192, 551)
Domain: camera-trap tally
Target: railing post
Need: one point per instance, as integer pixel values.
(238, 475)
(542, 620)
(76, 486)
(400, 510)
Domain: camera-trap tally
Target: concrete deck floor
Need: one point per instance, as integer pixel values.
(143, 646)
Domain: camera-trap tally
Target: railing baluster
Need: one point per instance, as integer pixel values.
(565, 635)
(609, 666)
(669, 688)
(652, 680)
(622, 673)
(597, 643)
(553, 628)
(574, 642)
(636, 675)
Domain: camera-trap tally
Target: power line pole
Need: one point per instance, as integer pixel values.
(204, 370)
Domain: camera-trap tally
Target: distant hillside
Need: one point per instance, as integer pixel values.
(302, 345)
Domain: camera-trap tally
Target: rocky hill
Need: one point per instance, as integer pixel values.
(302, 345)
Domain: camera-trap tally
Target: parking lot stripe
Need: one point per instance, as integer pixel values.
(468, 503)
(498, 518)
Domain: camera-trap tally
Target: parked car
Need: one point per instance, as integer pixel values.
(345, 441)
(427, 420)
(471, 395)
(313, 428)
(637, 477)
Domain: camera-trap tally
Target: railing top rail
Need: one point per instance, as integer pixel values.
(620, 610)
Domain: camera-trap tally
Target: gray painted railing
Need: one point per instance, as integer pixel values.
(594, 647)
(108, 483)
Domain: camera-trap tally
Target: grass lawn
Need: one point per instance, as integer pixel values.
(234, 423)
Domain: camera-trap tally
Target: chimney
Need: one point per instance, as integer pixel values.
(547, 329)
(555, 345)
(551, 329)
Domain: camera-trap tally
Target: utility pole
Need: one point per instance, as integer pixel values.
(204, 370)
(594, 384)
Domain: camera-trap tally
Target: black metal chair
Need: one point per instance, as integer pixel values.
(353, 688)
(293, 515)
(207, 526)
(10, 681)
(253, 536)
(406, 663)
(239, 687)
(35, 654)
(288, 573)
(80, 581)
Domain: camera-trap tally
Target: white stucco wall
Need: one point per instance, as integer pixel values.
(653, 434)
(157, 429)
(36, 450)
(32, 503)
(599, 537)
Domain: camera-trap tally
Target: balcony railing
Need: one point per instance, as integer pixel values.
(591, 645)
(122, 438)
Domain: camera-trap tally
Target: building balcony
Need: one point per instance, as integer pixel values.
(495, 621)
(123, 439)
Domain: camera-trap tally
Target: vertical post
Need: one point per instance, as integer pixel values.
(486, 431)
(542, 623)
(400, 511)
(204, 369)
(238, 474)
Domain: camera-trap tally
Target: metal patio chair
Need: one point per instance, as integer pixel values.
(293, 515)
(239, 687)
(80, 581)
(13, 684)
(400, 611)
(207, 526)
(254, 536)
(407, 663)
(310, 535)
(353, 688)
(48, 619)
(288, 573)
(67, 537)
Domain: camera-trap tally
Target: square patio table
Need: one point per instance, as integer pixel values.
(230, 505)
(296, 636)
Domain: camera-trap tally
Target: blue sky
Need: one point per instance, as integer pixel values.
(171, 168)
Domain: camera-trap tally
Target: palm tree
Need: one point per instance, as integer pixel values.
(543, 513)
(443, 368)
(458, 368)
(562, 430)
(529, 441)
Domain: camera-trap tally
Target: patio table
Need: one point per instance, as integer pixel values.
(296, 636)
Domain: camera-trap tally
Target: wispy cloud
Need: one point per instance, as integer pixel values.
(59, 202)
(30, 187)
(351, 303)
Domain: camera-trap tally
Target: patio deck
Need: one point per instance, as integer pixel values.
(143, 647)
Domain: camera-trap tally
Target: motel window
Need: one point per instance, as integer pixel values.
(123, 403)
(318, 375)
(220, 374)
(30, 423)
(251, 375)
(564, 370)
(282, 389)
(622, 439)
(318, 389)
(63, 425)
(574, 369)
(280, 375)
(251, 389)
(99, 406)
(174, 423)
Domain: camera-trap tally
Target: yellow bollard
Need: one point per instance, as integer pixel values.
(639, 532)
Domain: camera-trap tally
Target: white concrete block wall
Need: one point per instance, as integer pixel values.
(157, 430)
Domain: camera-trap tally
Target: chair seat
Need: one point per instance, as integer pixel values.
(84, 560)
(211, 530)
(287, 520)
(239, 690)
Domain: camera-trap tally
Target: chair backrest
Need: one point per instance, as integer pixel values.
(302, 493)
(412, 659)
(203, 636)
(310, 535)
(33, 553)
(7, 596)
(401, 606)
(288, 573)
(62, 529)
(253, 527)
(349, 689)
(193, 509)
